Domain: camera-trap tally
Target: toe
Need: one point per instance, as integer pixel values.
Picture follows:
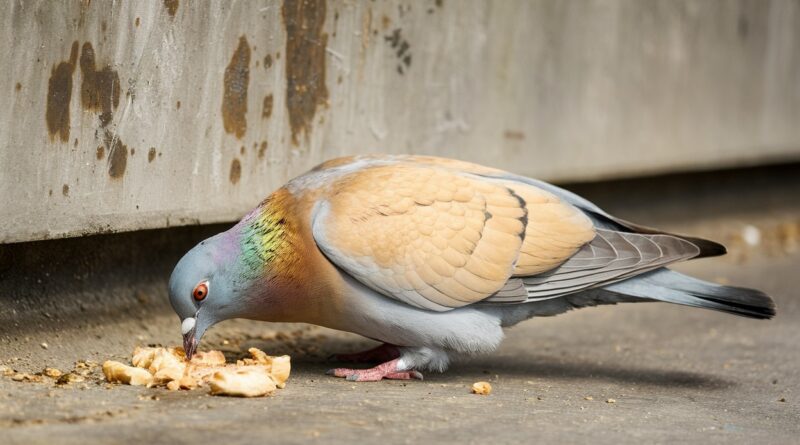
(415, 375)
(340, 372)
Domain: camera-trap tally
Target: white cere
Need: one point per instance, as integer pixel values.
(187, 325)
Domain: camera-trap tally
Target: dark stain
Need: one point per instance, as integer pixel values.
(99, 89)
(172, 7)
(236, 171)
(151, 154)
(268, 61)
(262, 150)
(266, 111)
(178, 105)
(514, 135)
(18, 86)
(103, 26)
(278, 55)
(743, 27)
(59, 94)
(137, 21)
(117, 159)
(101, 152)
(439, 3)
(234, 99)
(241, 150)
(133, 151)
(50, 193)
(402, 49)
(385, 22)
(335, 23)
(305, 63)
(339, 80)
(65, 190)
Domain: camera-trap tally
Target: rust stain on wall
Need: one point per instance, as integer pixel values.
(236, 171)
(117, 159)
(100, 153)
(262, 149)
(172, 7)
(99, 89)
(151, 155)
(266, 112)
(65, 190)
(59, 94)
(234, 99)
(305, 62)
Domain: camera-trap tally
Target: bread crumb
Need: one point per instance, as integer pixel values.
(68, 378)
(250, 381)
(52, 372)
(611, 401)
(482, 388)
(119, 372)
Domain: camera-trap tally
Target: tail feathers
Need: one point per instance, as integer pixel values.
(673, 287)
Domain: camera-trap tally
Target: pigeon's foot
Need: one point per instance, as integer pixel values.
(378, 354)
(386, 370)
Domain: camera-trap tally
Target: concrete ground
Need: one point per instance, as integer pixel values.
(636, 373)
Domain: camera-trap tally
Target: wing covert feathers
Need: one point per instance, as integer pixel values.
(439, 239)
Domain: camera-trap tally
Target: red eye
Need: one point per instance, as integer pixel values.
(200, 291)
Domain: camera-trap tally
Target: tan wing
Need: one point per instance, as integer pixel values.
(437, 239)
(554, 233)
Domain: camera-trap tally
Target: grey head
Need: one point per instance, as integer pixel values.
(204, 288)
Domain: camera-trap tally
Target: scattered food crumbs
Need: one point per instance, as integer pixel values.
(257, 376)
(44, 345)
(6, 371)
(611, 401)
(25, 377)
(69, 378)
(482, 388)
(588, 398)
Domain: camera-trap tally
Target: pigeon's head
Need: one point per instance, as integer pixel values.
(249, 271)
(205, 289)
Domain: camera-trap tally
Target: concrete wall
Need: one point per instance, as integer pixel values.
(140, 114)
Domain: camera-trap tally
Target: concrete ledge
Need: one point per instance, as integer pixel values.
(131, 115)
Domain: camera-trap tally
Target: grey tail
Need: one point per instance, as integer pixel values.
(673, 287)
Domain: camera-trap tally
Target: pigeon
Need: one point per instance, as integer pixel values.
(432, 257)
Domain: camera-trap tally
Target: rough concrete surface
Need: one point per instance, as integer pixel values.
(675, 374)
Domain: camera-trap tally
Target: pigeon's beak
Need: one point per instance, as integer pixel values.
(189, 328)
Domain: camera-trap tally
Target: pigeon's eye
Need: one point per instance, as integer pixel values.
(200, 291)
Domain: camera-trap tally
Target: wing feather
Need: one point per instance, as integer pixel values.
(440, 239)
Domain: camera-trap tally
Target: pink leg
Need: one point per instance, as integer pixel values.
(378, 354)
(386, 370)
